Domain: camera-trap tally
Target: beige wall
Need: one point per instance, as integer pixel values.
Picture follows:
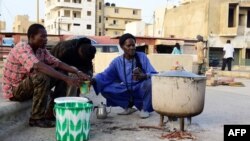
(2, 25)
(113, 32)
(158, 29)
(187, 21)
(164, 62)
(21, 24)
(126, 13)
(149, 31)
(102, 61)
(161, 62)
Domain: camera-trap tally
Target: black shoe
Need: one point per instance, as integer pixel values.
(41, 123)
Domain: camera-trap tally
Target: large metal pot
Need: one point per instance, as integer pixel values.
(178, 93)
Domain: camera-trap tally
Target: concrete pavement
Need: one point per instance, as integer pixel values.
(223, 105)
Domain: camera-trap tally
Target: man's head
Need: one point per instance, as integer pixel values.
(228, 41)
(37, 36)
(85, 49)
(127, 42)
(199, 38)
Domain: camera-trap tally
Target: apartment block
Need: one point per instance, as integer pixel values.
(115, 18)
(216, 20)
(21, 24)
(72, 17)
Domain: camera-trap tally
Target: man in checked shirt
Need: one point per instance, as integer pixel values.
(31, 71)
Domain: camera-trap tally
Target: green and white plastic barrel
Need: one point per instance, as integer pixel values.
(72, 118)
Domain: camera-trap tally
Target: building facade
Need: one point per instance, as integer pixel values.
(73, 17)
(137, 28)
(21, 24)
(99, 26)
(2, 25)
(217, 21)
(115, 19)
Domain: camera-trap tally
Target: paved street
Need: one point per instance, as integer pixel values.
(223, 105)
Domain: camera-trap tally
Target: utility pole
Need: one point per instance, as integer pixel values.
(59, 27)
(37, 11)
(154, 24)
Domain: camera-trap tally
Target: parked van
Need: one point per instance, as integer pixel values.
(108, 48)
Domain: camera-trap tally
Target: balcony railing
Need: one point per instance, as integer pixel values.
(114, 26)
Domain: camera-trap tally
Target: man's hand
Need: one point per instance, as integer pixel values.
(138, 74)
(82, 76)
(73, 81)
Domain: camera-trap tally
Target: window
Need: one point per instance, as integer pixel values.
(76, 1)
(58, 13)
(113, 48)
(76, 14)
(89, 0)
(76, 24)
(69, 27)
(58, 0)
(126, 22)
(100, 19)
(100, 33)
(66, 0)
(106, 19)
(88, 13)
(116, 10)
(88, 26)
(66, 13)
(231, 15)
(135, 12)
(114, 22)
(100, 5)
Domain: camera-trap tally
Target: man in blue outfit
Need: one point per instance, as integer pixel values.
(127, 80)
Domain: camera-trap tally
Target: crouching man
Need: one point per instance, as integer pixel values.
(30, 73)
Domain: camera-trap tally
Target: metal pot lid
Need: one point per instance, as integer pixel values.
(179, 73)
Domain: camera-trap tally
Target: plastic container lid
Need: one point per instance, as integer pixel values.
(70, 99)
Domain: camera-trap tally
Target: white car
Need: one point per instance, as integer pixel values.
(108, 48)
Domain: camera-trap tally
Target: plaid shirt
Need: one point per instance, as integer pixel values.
(20, 63)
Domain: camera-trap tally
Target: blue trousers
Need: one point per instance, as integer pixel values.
(116, 94)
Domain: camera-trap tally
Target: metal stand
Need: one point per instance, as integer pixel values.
(161, 124)
(181, 124)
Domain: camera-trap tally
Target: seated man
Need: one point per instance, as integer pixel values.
(30, 73)
(78, 53)
(126, 82)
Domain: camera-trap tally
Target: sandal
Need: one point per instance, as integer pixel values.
(41, 123)
(128, 111)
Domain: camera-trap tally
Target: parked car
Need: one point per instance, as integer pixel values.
(108, 48)
(8, 42)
